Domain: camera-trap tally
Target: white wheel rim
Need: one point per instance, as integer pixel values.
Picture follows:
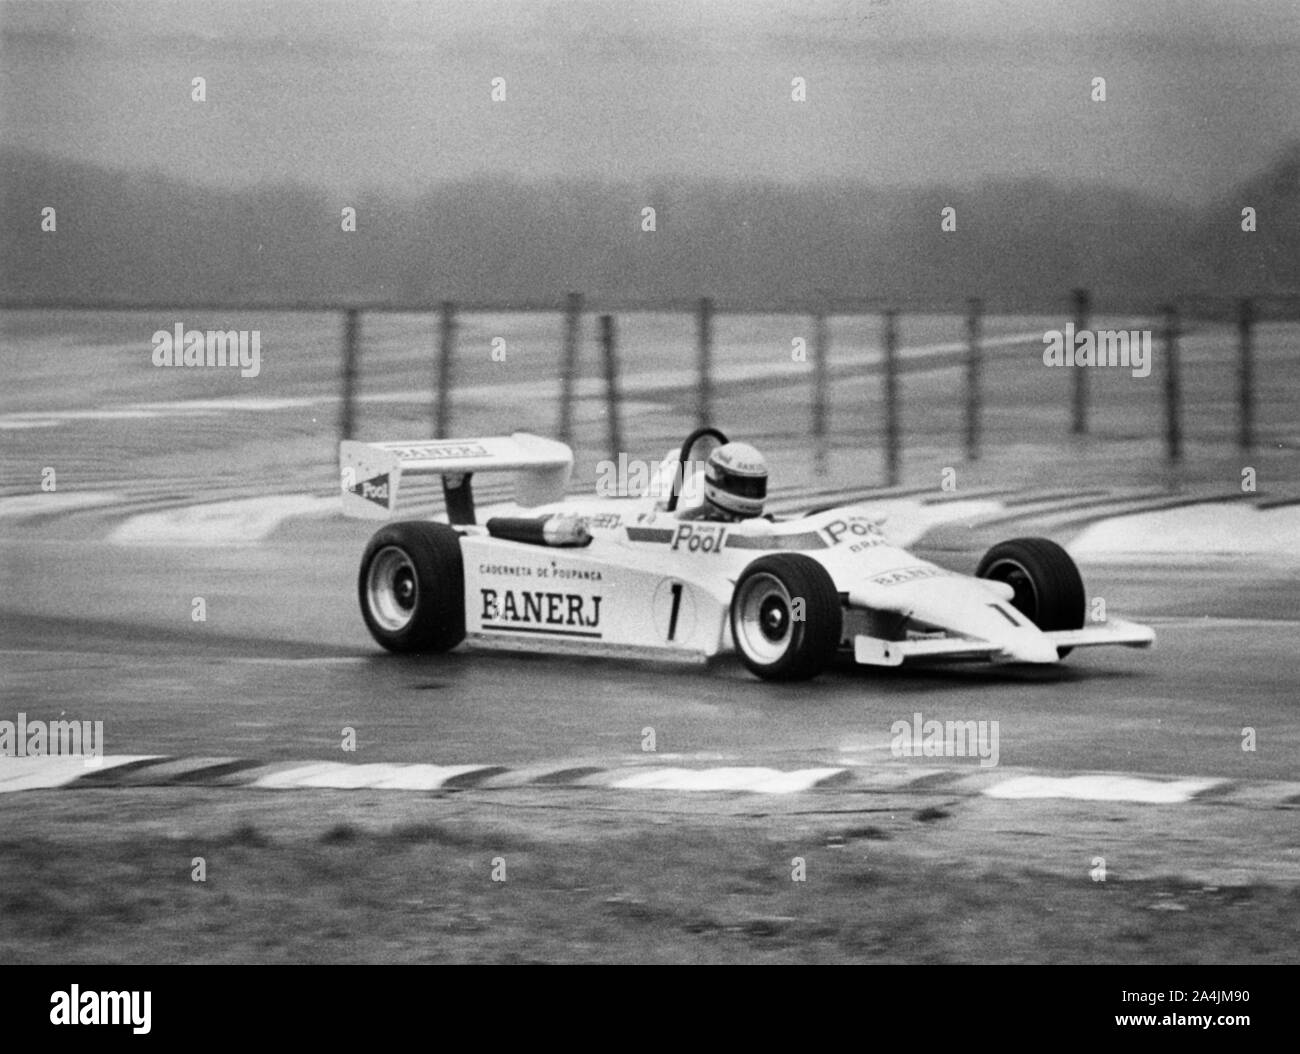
(392, 589)
(764, 626)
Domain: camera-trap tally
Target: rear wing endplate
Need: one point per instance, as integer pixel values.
(374, 476)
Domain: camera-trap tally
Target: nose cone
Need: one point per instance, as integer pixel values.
(966, 606)
(1030, 648)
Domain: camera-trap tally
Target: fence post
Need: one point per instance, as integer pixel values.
(1082, 303)
(974, 365)
(348, 380)
(613, 398)
(821, 348)
(891, 397)
(704, 344)
(569, 368)
(1246, 373)
(1173, 389)
(446, 351)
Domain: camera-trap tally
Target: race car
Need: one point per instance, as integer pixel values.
(644, 577)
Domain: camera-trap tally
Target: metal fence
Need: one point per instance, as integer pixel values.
(1174, 318)
(1244, 311)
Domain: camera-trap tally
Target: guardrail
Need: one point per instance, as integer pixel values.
(1244, 311)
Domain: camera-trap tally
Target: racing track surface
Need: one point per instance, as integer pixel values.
(283, 663)
(97, 631)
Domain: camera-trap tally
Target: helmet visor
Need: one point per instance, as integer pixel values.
(733, 483)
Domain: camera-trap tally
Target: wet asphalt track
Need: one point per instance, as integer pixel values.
(283, 663)
(94, 631)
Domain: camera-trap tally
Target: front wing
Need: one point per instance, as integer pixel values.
(874, 651)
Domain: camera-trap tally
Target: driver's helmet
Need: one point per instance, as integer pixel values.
(735, 480)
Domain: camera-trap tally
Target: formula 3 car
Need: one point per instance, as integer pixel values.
(629, 577)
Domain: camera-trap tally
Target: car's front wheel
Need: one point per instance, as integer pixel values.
(1048, 587)
(786, 617)
(412, 587)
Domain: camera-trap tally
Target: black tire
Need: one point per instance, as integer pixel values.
(771, 643)
(412, 587)
(1049, 589)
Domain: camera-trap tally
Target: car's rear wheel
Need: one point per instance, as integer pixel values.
(1048, 587)
(412, 587)
(786, 617)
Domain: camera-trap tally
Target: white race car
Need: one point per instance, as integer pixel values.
(633, 577)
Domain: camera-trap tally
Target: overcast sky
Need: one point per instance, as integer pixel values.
(1201, 93)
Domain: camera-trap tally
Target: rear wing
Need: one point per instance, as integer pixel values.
(375, 476)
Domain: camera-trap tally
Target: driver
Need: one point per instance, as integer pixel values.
(735, 484)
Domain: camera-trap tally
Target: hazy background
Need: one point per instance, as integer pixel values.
(913, 105)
